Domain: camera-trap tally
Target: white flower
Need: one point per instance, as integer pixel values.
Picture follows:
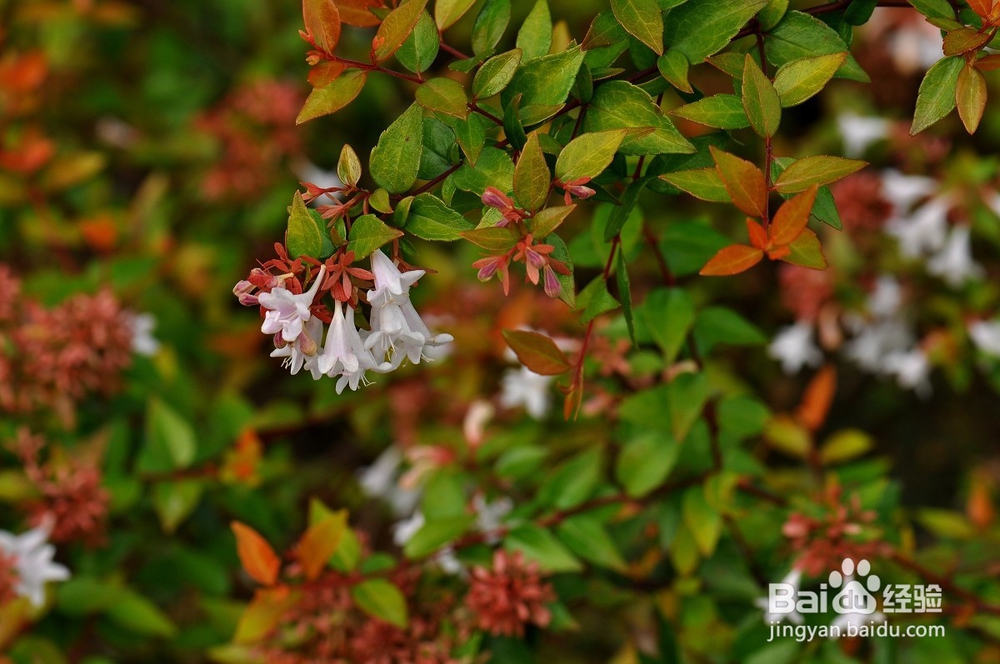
(795, 348)
(793, 578)
(143, 341)
(905, 190)
(859, 132)
(397, 329)
(403, 531)
(873, 343)
(344, 353)
(288, 312)
(915, 47)
(922, 231)
(379, 480)
(954, 262)
(33, 561)
(304, 350)
(885, 299)
(911, 370)
(490, 515)
(524, 387)
(986, 336)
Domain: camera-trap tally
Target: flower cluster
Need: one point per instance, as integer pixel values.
(296, 318)
(510, 595)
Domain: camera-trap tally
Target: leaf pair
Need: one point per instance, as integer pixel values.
(786, 238)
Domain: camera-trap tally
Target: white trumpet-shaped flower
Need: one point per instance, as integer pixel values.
(795, 347)
(33, 561)
(922, 231)
(304, 350)
(859, 132)
(287, 312)
(344, 353)
(986, 336)
(954, 262)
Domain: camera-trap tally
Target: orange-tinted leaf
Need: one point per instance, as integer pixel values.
(333, 96)
(758, 236)
(325, 72)
(805, 251)
(744, 182)
(981, 7)
(537, 352)
(356, 12)
(733, 259)
(970, 97)
(988, 63)
(320, 541)
(817, 398)
(964, 40)
(792, 217)
(322, 21)
(258, 558)
(776, 253)
(396, 27)
(263, 613)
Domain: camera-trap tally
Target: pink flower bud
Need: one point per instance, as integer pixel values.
(495, 198)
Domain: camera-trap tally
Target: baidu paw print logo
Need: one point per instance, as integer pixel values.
(854, 596)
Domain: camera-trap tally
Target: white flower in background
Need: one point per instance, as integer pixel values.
(795, 347)
(524, 387)
(886, 298)
(905, 190)
(793, 578)
(986, 336)
(344, 353)
(480, 412)
(489, 516)
(288, 312)
(304, 350)
(403, 531)
(911, 370)
(915, 47)
(397, 329)
(380, 480)
(954, 262)
(143, 341)
(874, 342)
(33, 562)
(306, 171)
(859, 132)
(922, 231)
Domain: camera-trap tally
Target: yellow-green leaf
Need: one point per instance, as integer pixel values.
(537, 352)
(586, 156)
(333, 96)
(531, 175)
(760, 100)
(447, 12)
(397, 26)
(936, 96)
(368, 233)
(799, 80)
(444, 95)
(395, 161)
(818, 170)
(970, 96)
(643, 19)
(303, 237)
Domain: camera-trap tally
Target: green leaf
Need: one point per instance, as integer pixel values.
(770, 15)
(800, 35)
(673, 66)
(621, 105)
(702, 520)
(845, 445)
(700, 28)
(492, 169)
(431, 219)
(349, 166)
(645, 462)
(436, 534)
(586, 156)
(620, 214)
(368, 233)
(549, 219)
(643, 20)
(139, 615)
(447, 12)
(625, 295)
(799, 80)
(438, 153)
(605, 30)
(513, 126)
(531, 176)
(586, 537)
(686, 398)
(537, 352)
(174, 502)
(668, 314)
(934, 8)
(818, 170)
(715, 325)
(495, 74)
(303, 237)
(566, 281)
(443, 95)
(471, 135)
(703, 183)
(724, 111)
(395, 161)
(333, 96)
(970, 97)
(760, 100)
(535, 36)
(936, 96)
(420, 49)
(572, 482)
(545, 80)
(688, 245)
(595, 300)
(805, 251)
(397, 26)
(381, 599)
(489, 26)
(494, 239)
(541, 546)
(170, 441)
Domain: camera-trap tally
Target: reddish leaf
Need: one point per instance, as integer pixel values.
(319, 542)
(964, 40)
(970, 97)
(804, 251)
(988, 63)
(817, 398)
(263, 613)
(333, 96)
(733, 259)
(258, 558)
(322, 21)
(396, 27)
(537, 352)
(325, 72)
(356, 12)
(744, 182)
(758, 236)
(981, 7)
(792, 217)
